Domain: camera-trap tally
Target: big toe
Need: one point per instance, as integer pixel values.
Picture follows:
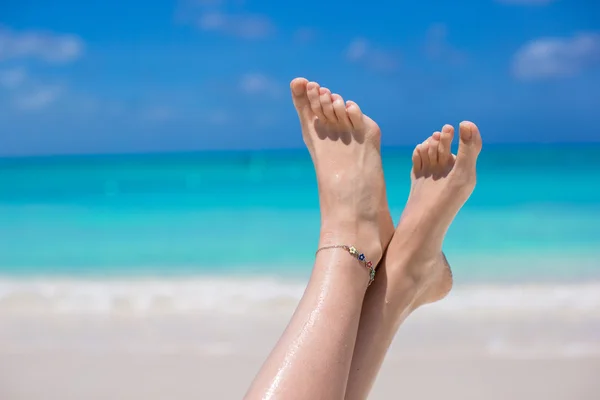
(469, 145)
(300, 99)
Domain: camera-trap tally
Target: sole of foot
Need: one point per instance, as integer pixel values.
(345, 148)
(441, 183)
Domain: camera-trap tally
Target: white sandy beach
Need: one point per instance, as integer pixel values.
(477, 344)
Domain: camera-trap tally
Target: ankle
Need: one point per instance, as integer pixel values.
(418, 279)
(401, 296)
(365, 239)
(411, 266)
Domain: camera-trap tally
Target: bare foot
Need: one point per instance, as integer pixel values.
(345, 148)
(441, 184)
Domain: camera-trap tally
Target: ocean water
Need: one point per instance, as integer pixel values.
(240, 217)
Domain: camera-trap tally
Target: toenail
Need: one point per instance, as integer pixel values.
(298, 90)
(468, 134)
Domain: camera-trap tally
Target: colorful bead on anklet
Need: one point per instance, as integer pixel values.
(356, 254)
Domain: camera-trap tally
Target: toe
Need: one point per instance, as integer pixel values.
(424, 151)
(314, 99)
(327, 105)
(355, 115)
(340, 111)
(300, 99)
(434, 143)
(469, 145)
(445, 144)
(416, 160)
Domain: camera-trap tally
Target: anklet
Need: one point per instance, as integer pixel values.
(354, 253)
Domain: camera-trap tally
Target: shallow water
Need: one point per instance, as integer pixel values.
(248, 213)
(534, 218)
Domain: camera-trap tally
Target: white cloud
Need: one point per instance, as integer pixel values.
(227, 17)
(259, 84)
(556, 57)
(527, 2)
(363, 52)
(38, 98)
(437, 46)
(12, 78)
(357, 49)
(381, 60)
(41, 45)
(247, 26)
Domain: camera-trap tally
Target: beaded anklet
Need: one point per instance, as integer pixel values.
(354, 253)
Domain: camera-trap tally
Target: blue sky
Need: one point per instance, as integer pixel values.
(135, 76)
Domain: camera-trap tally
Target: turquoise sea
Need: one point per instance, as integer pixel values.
(236, 231)
(534, 215)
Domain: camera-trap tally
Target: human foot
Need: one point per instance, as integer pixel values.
(344, 145)
(441, 184)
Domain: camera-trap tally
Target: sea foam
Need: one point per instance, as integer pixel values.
(146, 297)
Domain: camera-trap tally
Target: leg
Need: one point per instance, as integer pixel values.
(313, 357)
(414, 271)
